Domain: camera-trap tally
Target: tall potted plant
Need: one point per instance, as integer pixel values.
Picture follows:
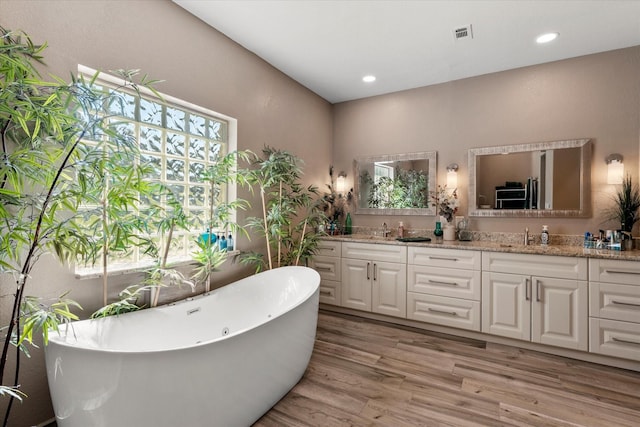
(44, 182)
(208, 255)
(290, 212)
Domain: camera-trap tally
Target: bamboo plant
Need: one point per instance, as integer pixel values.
(44, 183)
(290, 212)
(224, 172)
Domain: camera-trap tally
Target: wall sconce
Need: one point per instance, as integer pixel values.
(615, 170)
(341, 182)
(452, 176)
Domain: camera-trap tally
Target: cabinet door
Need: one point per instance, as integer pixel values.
(506, 305)
(559, 313)
(389, 289)
(356, 284)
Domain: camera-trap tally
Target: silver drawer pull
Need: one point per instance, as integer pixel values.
(323, 268)
(442, 258)
(435, 310)
(635, 273)
(325, 293)
(630, 304)
(437, 282)
(624, 341)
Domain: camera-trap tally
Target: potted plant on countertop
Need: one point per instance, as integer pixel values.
(626, 209)
(335, 205)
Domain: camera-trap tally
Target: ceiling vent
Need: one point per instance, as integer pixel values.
(463, 33)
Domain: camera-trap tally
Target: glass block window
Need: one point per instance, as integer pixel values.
(181, 140)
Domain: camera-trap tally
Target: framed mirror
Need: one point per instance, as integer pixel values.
(541, 179)
(396, 184)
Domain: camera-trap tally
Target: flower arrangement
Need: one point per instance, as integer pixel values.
(446, 202)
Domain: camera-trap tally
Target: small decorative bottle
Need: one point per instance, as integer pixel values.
(438, 231)
(544, 236)
(230, 243)
(401, 230)
(223, 243)
(348, 227)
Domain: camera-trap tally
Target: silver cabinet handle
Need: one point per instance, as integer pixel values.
(624, 341)
(527, 289)
(323, 268)
(435, 310)
(441, 258)
(368, 274)
(375, 271)
(629, 304)
(538, 290)
(635, 273)
(329, 293)
(437, 282)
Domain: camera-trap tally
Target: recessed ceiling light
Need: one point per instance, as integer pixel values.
(369, 79)
(546, 38)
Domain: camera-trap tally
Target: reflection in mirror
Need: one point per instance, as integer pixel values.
(398, 184)
(538, 179)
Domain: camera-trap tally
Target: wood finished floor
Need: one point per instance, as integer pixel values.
(368, 373)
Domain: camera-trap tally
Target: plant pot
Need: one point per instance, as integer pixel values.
(449, 232)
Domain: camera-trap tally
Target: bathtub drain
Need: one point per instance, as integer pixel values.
(225, 331)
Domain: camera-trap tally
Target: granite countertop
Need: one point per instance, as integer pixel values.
(537, 249)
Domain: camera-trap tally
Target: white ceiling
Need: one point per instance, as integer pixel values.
(328, 46)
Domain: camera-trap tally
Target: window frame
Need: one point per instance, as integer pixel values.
(230, 190)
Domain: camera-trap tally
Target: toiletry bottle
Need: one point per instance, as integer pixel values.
(544, 236)
(401, 230)
(230, 243)
(348, 227)
(438, 232)
(223, 243)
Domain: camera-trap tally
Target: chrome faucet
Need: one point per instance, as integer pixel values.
(385, 230)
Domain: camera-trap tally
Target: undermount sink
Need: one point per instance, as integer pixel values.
(364, 237)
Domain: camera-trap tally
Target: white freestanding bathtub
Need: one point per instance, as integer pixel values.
(221, 359)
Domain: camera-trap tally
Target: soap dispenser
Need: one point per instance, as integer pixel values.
(401, 230)
(544, 236)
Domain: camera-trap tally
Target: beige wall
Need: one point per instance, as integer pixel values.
(596, 96)
(198, 65)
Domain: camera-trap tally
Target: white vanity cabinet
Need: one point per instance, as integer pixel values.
(539, 298)
(374, 278)
(326, 262)
(614, 308)
(443, 286)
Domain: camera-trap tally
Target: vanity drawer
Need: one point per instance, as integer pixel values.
(329, 248)
(447, 282)
(615, 302)
(454, 312)
(614, 338)
(448, 258)
(328, 267)
(374, 252)
(330, 292)
(535, 265)
(614, 271)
